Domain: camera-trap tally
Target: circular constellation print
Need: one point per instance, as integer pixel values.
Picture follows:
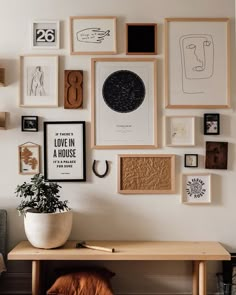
(196, 188)
(123, 91)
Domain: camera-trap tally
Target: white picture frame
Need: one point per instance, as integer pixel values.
(93, 35)
(180, 131)
(45, 34)
(38, 81)
(197, 63)
(115, 117)
(196, 188)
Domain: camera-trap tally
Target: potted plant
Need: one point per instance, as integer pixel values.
(47, 220)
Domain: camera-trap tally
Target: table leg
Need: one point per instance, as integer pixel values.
(35, 277)
(202, 278)
(195, 277)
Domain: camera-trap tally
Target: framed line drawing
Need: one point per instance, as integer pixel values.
(196, 188)
(191, 160)
(216, 155)
(141, 38)
(45, 34)
(146, 174)
(211, 124)
(180, 130)
(29, 123)
(39, 81)
(64, 151)
(197, 62)
(93, 35)
(29, 158)
(123, 91)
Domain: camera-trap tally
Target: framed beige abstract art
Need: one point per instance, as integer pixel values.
(146, 174)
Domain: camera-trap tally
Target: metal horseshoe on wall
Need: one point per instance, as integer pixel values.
(96, 173)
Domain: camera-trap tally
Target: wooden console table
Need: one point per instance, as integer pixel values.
(197, 252)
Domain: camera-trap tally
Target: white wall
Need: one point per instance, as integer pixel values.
(101, 213)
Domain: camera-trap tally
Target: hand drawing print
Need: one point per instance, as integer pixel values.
(197, 61)
(92, 35)
(36, 81)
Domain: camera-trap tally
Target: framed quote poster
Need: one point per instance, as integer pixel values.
(123, 92)
(64, 151)
(93, 35)
(29, 158)
(39, 81)
(196, 188)
(197, 62)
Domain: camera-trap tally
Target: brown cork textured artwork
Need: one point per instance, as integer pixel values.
(146, 174)
(73, 92)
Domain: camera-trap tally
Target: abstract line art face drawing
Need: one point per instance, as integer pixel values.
(197, 61)
(92, 35)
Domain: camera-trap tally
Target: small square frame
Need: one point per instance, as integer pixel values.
(191, 160)
(141, 38)
(29, 123)
(29, 158)
(45, 34)
(196, 188)
(211, 124)
(180, 130)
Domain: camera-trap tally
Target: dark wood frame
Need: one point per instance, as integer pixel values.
(206, 120)
(185, 160)
(22, 123)
(216, 155)
(154, 25)
(83, 146)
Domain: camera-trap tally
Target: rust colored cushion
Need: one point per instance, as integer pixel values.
(87, 282)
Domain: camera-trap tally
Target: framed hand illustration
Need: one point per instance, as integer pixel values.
(123, 92)
(64, 151)
(197, 62)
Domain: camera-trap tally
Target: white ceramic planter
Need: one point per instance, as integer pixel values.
(48, 230)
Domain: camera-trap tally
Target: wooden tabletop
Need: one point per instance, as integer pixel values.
(125, 250)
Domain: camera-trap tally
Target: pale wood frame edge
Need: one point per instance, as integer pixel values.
(19, 158)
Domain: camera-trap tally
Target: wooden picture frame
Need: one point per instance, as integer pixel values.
(3, 120)
(197, 63)
(29, 158)
(191, 160)
(93, 35)
(38, 81)
(216, 155)
(45, 34)
(29, 123)
(64, 151)
(196, 188)
(134, 179)
(123, 91)
(211, 124)
(180, 131)
(141, 38)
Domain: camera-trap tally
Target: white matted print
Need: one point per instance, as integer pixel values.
(196, 188)
(123, 92)
(197, 72)
(93, 35)
(180, 131)
(45, 34)
(39, 81)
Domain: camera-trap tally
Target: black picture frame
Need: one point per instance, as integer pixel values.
(64, 151)
(212, 124)
(141, 38)
(191, 160)
(29, 123)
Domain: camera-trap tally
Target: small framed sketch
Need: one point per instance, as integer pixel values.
(211, 124)
(39, 81)
(216, 155)
(29, 123)
(45, 34)
(180, 131)
(146, 174)
(29, 158)
(191, 160)
(93, 35)
(196, 188)
(141, 38)
(64, 151)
